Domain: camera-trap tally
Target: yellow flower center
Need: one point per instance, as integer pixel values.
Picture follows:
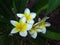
(21, 26)
(42, 25)
(34, 29)
(28, 17)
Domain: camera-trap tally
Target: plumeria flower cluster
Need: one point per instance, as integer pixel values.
(26, 24)
(40, 26)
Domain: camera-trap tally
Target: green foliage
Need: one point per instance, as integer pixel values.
(40, 40)
(19, 5)
(52, 4)
(52, 35)
(39, 6)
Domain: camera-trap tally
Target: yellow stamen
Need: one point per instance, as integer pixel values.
(21, 26)
(34, 29)
(42, 25)
(28, 17)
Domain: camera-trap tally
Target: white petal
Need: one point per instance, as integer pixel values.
(29, 26)
(48, 24)
(31, 22)
(39, 30)
(34, 35)
(39, 19)
(45, 18)
(13, 22)
(36, 23)
(20, 15)
(44, 30)
(27, 11)
(33, 15)
(23, 34)
(14, 31)
(30, 32)
(23, 19)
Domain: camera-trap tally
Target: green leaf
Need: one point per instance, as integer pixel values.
(52, 35)
(5, 7)
(9, 41)
(40, 41)
(19, 5)
(42, 8)
(1, 40)
(52, 4)
(39, 6)
(6, 10)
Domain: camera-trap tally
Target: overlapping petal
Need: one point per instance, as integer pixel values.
(34, 35)
(31, 22)
(29, 26)
(23, 34)
(44, 30)
(27, 11)
(13, 22)
(48, 24)
(23, 19)
(33, 15)
(20, 15)
(14, 31)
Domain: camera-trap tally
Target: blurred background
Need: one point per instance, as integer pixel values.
(8, 10)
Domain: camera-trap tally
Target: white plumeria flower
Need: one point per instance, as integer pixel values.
(34, 30)
(43, 24)
(29, 16)
(22, 27)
